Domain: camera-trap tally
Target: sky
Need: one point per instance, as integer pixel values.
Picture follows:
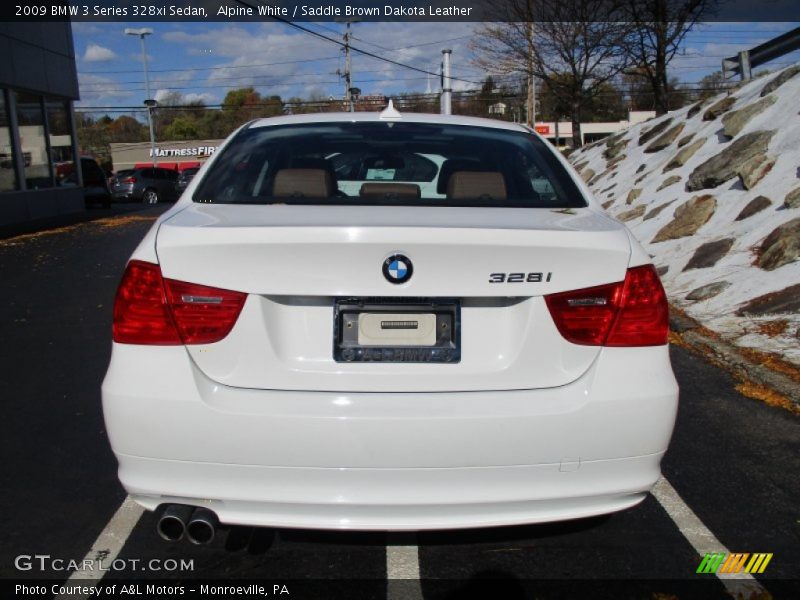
(203, 61)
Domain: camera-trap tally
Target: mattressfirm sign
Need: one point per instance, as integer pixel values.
(197, 151)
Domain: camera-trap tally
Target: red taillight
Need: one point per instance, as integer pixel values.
(152, 310)
(633, 312)
(129, 180)
(203, 314)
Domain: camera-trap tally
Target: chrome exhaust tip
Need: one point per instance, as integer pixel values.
(202, 526)
(171, 524)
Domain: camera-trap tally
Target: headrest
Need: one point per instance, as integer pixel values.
(451, 166)
(389, 191)
(469, 184)
(302, 183)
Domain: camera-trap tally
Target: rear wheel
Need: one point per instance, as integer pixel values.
(150, 196)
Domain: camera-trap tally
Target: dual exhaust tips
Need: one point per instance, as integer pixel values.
(199, 525)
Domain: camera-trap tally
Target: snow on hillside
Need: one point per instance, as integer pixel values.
(754, 262)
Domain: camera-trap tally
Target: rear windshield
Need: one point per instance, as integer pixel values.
(388, 164)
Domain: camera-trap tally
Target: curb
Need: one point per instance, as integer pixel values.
(694, 337)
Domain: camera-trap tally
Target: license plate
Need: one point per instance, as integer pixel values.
(397, 331)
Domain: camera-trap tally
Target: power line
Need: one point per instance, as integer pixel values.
(354, 49)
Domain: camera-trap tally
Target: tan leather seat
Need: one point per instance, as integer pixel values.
(389, 190)
(476, 184)
(302, 183)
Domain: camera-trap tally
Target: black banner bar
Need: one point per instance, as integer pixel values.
(368, 10)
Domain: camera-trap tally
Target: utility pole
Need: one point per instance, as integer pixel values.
(149, 102)
(446, 107)
(531, 103)
(348, 75)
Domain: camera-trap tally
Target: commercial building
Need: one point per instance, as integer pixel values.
(169, 155)
(38, 84)
(560, 133)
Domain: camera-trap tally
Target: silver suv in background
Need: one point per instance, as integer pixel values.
(150, 185)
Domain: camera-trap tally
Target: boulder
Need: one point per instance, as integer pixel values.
(653, 131)
(615, 149)
(735, 121)
(662, 270)
(634, 213)
(609, 188)
(725, 165)
(780, 247)
(754, 170)
(633, 195)
(683, 156)
(704, 292)
(778, 81)
(671, 180)
(685, 140)
(587, 175)
(792, 199)
(689, 217)
(665, 139)
(607, 203)
(641, 178)
(709, 254)
(581, 166)
(695, 109)
(613, 139)
(641, 168)
(616, 160)
(719, 108)
(755, 205)
(657, 210)
(597, 178)
(782, 301)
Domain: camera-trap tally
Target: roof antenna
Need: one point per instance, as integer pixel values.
(390, 113)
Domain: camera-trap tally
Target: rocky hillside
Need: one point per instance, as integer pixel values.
(713, 193)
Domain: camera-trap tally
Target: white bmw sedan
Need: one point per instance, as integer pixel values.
(387, 321)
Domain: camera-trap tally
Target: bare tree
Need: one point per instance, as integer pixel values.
(575, 47)
(659, 27)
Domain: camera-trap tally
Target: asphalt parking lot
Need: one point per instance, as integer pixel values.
(733, 464)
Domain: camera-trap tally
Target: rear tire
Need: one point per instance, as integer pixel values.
(150, 196)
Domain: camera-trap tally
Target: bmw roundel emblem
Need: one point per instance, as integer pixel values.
(397, 268)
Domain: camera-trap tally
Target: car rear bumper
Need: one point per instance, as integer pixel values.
(398, 461)
(392, 499)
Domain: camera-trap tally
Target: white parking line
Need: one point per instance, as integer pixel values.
(106, 547)
(702, 539)
(402, 573)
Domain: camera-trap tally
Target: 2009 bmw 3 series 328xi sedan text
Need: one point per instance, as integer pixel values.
(387, 321)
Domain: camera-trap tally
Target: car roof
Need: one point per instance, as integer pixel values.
(386, 116)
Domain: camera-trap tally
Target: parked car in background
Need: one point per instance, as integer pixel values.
(95, 184)
(184, 178)
(150, 185)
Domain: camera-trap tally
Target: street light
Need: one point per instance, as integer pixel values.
(149, 102)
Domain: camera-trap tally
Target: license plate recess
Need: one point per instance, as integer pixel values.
(397, 330)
